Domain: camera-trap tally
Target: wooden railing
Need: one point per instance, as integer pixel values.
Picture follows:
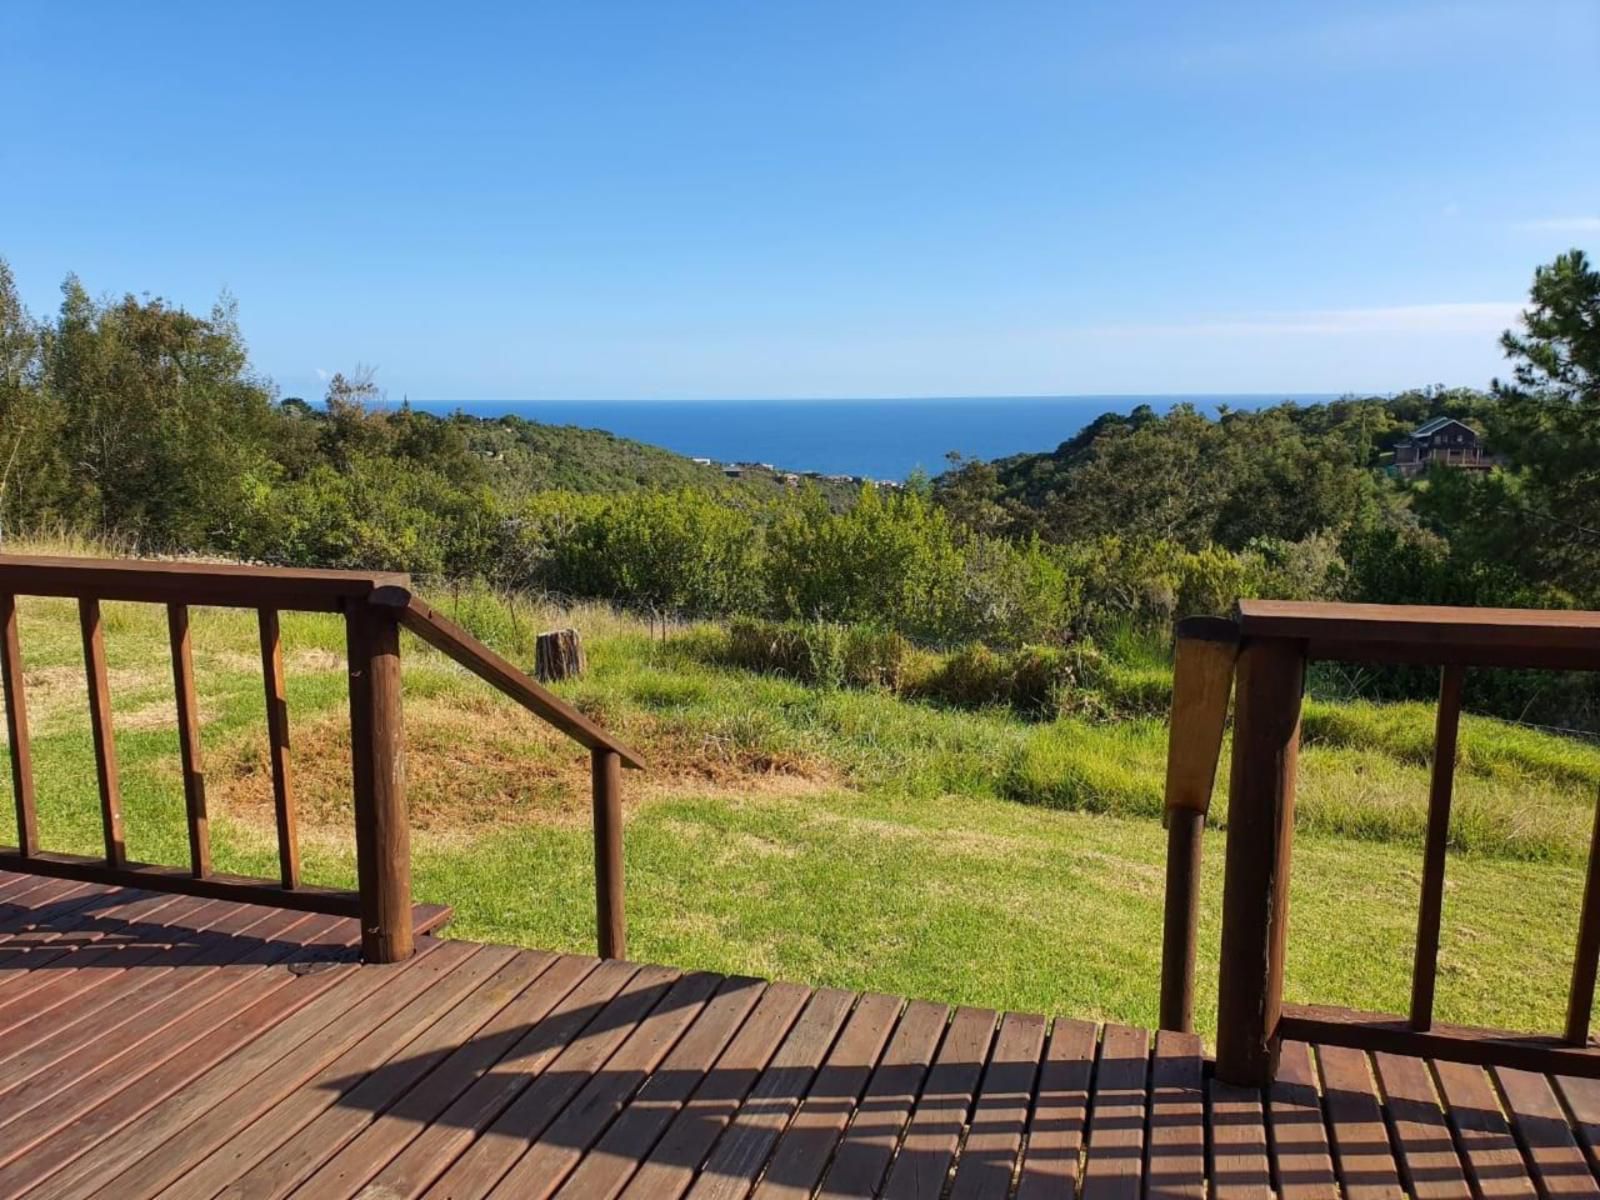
(375, 606)
(1267, 648)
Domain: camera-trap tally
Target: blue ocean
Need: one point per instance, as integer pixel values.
(879, 439)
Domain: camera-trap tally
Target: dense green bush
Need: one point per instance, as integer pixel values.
(822, 652)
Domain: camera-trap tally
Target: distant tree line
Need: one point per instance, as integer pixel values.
(133, 418)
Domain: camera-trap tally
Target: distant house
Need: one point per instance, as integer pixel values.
(733, 472)
(701, 462)
(1443, 442)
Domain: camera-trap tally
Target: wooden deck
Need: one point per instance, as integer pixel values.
(160, 1045)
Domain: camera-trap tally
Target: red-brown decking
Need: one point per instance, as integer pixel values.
(160, 1045)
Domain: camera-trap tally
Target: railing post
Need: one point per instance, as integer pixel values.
(1430, 906)
(383, 834)
(1202, 678)
(17, 728)
(1255, 901)
(1580, 999)
(611, 920)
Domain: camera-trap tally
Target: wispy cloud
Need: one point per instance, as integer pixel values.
(1561, 225)
(1487, 317)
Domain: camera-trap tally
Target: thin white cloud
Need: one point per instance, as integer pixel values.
(322, 374)
(1489, 317)
(1561, 225)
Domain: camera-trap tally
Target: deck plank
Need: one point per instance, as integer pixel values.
(1240, 1150)
(46, 969)
(79, 1040)
(497, 1149)
(391, 1130)
(186, 1048)
(253, 1121)
(1558, 1163)
(630, 1138)
(1362, 1152)
(105, 1066)
(670, 1167)
(1489, 1150)
(1175, 1161)
(1582, 1097)
(300, 1132)
(1117, 1107)
(585, 986)
(934, 1132)
(735, 1161)
(163, 1142)
(548, 1161)
(1428, 1158)
(868, 1144)
(806, 1147)
(182, 1065)
(1060, 1112)
(989, 1155)
(1300, 1150)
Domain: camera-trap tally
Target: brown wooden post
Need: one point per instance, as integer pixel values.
(1580, 1000)
(1202, 678)
(1255, 901)
(17, 729)
(105, 742)
(383, 836)
(611, 919)
(1425, 965)
(188, 706)
(278, 748)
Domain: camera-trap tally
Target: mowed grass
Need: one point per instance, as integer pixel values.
(836, 836)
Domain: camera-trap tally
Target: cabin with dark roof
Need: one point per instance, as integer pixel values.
(1444, 442)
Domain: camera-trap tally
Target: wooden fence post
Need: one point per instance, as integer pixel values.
(611, 918)
(1255, 900)
(383, 834)
(1202, 678)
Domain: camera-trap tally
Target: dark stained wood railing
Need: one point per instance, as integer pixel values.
(1276, 640)
(375, 606)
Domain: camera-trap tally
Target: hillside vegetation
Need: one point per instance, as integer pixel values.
(837, 833)
(909, 739)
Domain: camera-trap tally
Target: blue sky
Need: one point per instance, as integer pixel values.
(616, 200)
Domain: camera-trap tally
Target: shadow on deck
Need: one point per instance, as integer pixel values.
(183, 1047)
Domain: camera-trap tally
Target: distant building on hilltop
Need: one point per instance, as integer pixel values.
(1442, 442)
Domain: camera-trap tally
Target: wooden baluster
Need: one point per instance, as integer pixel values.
(383, 836)
(611, 918)
(17, 729)
(278, 745)
(194, 779)
(1425, 967)
(105, 749)
(1255, 900)
(1202, 678)
(1580, 1000)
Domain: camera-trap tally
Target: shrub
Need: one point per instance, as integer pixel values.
(1037, 681)
(821, 652)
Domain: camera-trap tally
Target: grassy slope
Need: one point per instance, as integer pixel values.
(838, 837)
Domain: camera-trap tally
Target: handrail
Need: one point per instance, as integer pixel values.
(374, 607)
(225, 585)
(1276, 641)
(445, 636)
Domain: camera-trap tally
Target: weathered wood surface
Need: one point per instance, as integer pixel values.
(558, 655)
(190, 1047)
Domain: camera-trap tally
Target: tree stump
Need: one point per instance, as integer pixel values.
(557, 655)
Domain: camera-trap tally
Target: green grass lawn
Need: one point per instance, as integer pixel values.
(837, 836)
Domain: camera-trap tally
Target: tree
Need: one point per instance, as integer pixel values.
(165, 431)
(26, 439)
(1548, 422)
